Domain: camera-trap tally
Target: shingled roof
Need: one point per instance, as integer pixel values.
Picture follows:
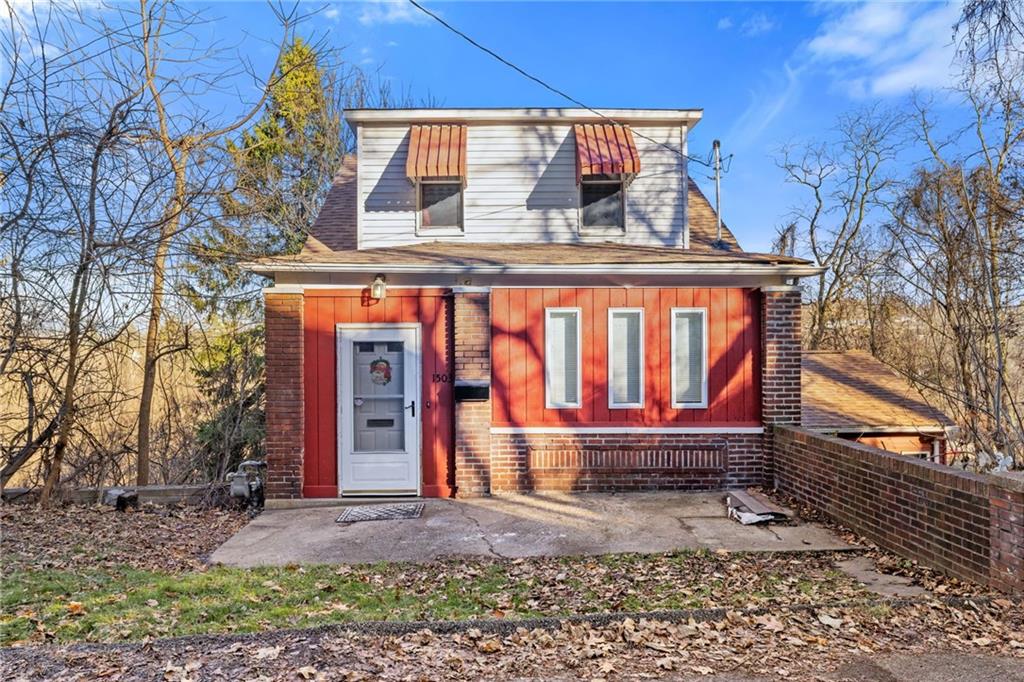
(852, 392)
(335, 227)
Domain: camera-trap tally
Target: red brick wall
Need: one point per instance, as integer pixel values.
(780, 363)
(967, 525)
(633, 461)
(284, 411)
(472, 361)
(780, 367)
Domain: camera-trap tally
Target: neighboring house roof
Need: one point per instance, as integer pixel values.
(334, 234)
(852, 392)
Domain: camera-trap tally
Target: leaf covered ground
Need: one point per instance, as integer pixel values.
(128, 581)
(784, 644)
(94, 537)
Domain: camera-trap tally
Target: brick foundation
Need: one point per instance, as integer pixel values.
(472, 363)
(285, 402)
(522, 463)
(967, 525)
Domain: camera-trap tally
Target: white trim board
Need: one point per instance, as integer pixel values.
(702, 269)
(561, 115)
(639, 430)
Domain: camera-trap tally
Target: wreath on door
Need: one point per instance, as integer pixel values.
(380, 372)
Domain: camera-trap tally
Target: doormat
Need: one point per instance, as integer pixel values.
(381, 512)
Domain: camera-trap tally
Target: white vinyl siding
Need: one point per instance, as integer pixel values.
(689, 357)
(520, 186)
(625, 357)
(562, 385)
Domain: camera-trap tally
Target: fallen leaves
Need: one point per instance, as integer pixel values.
(268, 653)
(783, 644)
(830, 621)
(171, 539)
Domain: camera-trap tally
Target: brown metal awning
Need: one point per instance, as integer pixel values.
(605, 149)
(436, 151)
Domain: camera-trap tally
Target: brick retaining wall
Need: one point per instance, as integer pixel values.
(967, 525)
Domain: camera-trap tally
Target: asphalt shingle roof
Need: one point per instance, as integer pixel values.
(852, 391)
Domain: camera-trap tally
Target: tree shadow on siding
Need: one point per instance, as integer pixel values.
(393, 192)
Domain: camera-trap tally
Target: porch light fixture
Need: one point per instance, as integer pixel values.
(379, 288)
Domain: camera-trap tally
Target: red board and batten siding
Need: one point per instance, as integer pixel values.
(517, 352)
(326, 308)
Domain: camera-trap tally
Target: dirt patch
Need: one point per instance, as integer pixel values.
(170, 539)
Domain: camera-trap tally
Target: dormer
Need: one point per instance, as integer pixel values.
(522, 175)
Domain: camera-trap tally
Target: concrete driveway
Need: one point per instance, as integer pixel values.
(515, 526)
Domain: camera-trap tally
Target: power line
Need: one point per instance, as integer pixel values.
(544, 84)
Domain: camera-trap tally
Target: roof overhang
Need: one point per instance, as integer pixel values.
(688, 117)
(694, 269)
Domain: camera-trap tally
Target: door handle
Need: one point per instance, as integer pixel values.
(413, 406)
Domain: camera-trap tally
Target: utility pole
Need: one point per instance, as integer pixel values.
(717, 147)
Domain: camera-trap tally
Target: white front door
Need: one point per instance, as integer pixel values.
(378, 404)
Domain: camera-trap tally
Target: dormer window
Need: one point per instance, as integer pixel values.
(436, 165)
(439, 205)
(606, 160)
(602, 203)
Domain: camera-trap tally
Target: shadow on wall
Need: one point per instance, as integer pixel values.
(393, 192)
(548, 169)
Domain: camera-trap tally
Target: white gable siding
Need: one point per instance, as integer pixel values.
(521, 186)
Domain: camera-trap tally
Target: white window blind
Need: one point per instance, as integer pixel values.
(689, 373)
(625, 358)
(562, 357)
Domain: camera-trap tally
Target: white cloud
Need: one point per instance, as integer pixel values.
(389, 12)
(887, 49)
(724, 24)
(757, 25)
(332, 13)
(767, 103)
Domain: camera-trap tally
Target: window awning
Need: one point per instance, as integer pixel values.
(605, 149)
(436, 151)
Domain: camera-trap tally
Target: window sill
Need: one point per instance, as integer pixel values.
(602, 232)
(441, 232)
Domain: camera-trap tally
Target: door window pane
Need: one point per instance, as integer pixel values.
(378, 414)
(625, 353)
(562, 358)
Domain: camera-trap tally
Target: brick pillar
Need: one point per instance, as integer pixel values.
(284, 394)
(472, 345)
(780, 364)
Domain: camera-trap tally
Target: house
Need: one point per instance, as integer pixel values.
(511, 300)
(852, 395)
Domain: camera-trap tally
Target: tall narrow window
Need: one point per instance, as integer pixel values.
(562, 357)
(625, 357)
(689, 357)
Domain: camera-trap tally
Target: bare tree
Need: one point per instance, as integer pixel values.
(848, 181)
(185, 134)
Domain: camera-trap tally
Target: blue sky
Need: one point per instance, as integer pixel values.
(765, 73)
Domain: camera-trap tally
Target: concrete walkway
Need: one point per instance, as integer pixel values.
(512, 527)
